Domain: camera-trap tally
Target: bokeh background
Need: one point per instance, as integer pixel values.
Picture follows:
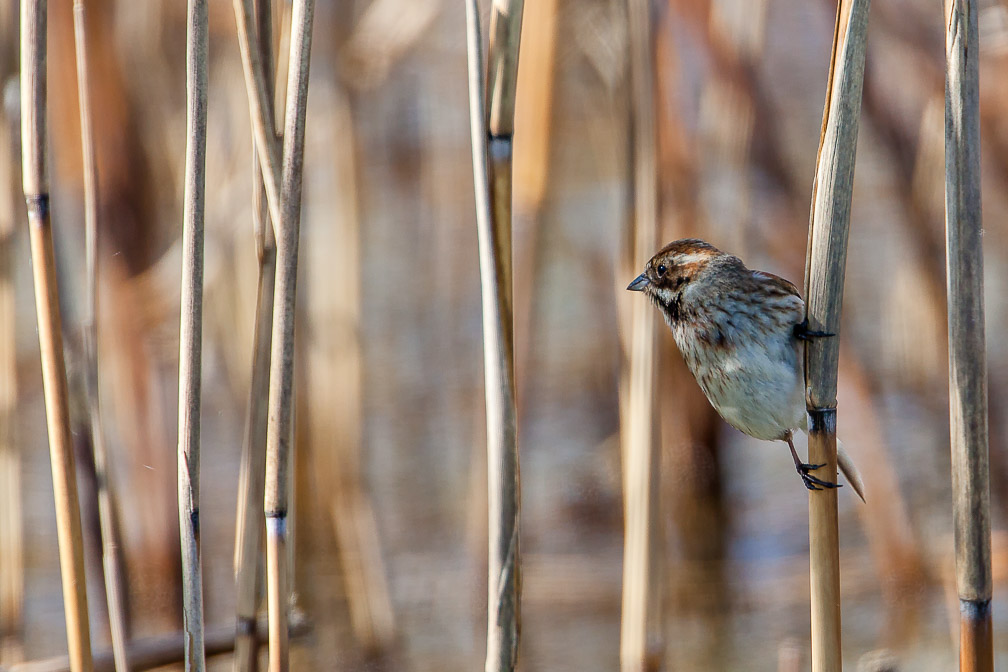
(390, 482)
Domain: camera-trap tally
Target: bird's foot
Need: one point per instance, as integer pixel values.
(810, 481)
(803, 333)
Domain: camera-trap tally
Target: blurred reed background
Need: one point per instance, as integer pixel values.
(389, 538)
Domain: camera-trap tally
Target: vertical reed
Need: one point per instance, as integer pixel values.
(281, 409)
(36, 190)
(639, 449)
(190, 332)
(115, 591)
(249, 523)
(967, 350)
(258, 87)
(491, 130)
(824, 280)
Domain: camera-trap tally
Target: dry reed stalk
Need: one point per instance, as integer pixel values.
(281, 408)
(638, 438)
(824, 280)
(190, 332)
(249, 523)
(161, 650)
(967, 350)
(261, 104)
(111, 562)
(36, 190)
(491, 130)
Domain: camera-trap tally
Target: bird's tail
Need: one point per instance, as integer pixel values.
(850, 472)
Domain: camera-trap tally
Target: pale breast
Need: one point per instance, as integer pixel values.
(747, 363)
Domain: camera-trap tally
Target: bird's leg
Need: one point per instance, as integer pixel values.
(803, 468)
(803, 333)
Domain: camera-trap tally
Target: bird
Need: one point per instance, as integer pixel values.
(741, 334)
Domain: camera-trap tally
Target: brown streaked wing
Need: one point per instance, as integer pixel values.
(776, 282)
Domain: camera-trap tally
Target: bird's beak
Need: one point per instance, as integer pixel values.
(639, 284)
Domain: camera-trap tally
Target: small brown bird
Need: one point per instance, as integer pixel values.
(740, 332)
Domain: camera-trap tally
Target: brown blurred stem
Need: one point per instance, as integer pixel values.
(638, 438)
(967, 349)
(115, 590)
(36, 190)
(190, 332)
(279, 428)
(492, 150)
(11, 526)
(824, 281)
(249, 524)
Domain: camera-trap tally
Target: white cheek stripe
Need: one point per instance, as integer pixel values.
(692, 258)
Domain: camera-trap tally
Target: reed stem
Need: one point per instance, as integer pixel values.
(190, 333)
(492, 184)
(258, 87)
(281, 409)
(249, 525)
(36, 190)
(115, 591)
(967, 348)
(824, 283)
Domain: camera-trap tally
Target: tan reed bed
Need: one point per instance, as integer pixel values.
(161, 650)
(640, 605)
(824, 282)
(115, 589)
(491, 129)
(967, 349)
(36, 190)
(190, 332)
(279, 431)
(249, 522)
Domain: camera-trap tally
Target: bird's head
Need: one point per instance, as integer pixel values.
(673, 268)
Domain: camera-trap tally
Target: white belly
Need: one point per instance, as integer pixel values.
(759, 394)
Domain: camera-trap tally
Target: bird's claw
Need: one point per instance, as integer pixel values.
(803, 333)
(810, 481)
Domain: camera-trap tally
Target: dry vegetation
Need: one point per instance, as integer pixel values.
(387, 531)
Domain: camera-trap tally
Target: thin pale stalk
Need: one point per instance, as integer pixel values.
(115, 591)
(279, 429)
(259, 88)
(494, 233)
(967, 348)
(249, 525)
(639, 448)
(161, 650)
(190, 333)
(36, 189)
(824, 280)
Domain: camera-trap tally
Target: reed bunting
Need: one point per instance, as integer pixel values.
(740, 332)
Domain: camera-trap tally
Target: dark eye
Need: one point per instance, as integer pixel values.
(661, 270)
